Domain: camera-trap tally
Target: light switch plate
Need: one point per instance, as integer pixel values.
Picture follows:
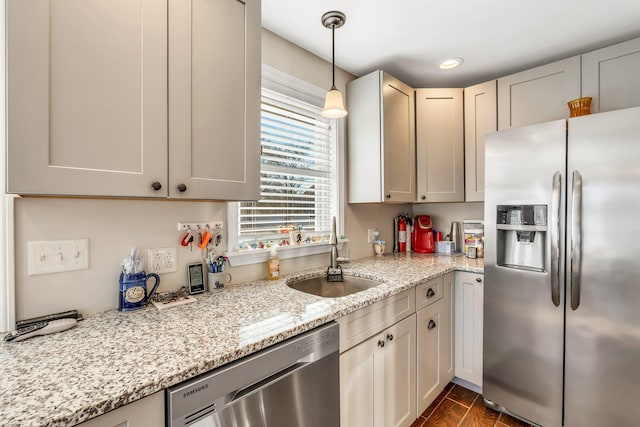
(57, 256)
(163, 260)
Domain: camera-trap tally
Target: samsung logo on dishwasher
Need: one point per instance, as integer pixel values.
(194, 390)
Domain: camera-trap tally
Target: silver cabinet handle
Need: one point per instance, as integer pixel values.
(555, 238)
(576, 239)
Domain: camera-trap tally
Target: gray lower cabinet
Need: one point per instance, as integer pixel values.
(610, 76)
(538, 95)
(93, 87)
(469, 299)
(434, 335)
(146, 412)
(440, 145)
(378, 363)
(381, 140)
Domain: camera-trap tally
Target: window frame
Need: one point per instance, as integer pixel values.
(288, 85)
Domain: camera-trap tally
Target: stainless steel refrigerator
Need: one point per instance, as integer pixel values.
(562, 271)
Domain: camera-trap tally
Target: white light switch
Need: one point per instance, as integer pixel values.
(57, 256)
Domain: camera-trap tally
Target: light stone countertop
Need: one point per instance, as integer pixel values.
(114, 358)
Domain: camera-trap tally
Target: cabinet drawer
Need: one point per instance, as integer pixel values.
(358, 326)
(429, 292)
(148, 411)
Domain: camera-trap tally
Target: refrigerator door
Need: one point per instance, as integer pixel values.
(523, 306)
(603, 291)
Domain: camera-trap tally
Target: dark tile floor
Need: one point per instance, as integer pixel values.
(458, 406)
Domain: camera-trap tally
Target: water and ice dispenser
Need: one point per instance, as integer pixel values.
(522, 236)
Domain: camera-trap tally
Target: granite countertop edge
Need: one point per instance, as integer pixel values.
(71, 377)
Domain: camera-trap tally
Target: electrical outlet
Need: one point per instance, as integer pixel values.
(372, 234)
(57, 256)
(163, 260)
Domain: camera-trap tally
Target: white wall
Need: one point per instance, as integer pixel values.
(442, 214)
(113, 226)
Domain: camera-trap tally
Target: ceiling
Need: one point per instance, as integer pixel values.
(409, 38)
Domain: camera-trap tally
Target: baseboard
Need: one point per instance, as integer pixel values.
(467, 384)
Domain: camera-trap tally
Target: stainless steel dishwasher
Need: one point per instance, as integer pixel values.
(291, 384)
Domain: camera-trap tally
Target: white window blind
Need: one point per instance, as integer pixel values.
(297, 173)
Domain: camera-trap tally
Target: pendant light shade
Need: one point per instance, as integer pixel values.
(334, 102)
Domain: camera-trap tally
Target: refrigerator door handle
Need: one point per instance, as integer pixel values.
(576, 239)
(555, 238)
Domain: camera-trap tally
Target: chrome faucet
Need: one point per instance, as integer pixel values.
(334, 271)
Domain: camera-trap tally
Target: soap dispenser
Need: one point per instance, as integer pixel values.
(273, 266)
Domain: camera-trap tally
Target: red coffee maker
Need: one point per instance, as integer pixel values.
(422, 238)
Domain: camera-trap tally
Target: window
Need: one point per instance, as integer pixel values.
(300, 188)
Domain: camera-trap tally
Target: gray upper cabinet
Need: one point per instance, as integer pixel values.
(539, 94)
(134, 99)
(439, 145)
(480, 118)
(381, 140)
(87, 97)
(610, 76)
(214, 99)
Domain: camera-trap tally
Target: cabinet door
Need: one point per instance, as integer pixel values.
(87, 97)
(148, 411)
(610, 76)
(440, 145)
(430, 339)
(447, 332)
(398, 139)
(469, 294)
(538, 95)
(214, 99)
(361, 372)
(377, 379)
(480, 118)
(399, 389)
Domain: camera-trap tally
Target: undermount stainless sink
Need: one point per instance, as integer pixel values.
(321, 287)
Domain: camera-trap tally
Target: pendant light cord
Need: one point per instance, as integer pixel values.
(333, 56)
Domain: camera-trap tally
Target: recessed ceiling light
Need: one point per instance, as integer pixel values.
(450, 63)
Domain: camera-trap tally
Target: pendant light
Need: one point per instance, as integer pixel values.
(333, 104)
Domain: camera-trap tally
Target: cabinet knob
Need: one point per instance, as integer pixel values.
(182, 188)
(431, 324)
(478, 279)
(423, 197)
(390, 337)
(156, 185)
(388, 196)
(380, 343)
(430, 293)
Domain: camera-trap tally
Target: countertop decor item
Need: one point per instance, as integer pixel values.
(579, 106)
(379, 246)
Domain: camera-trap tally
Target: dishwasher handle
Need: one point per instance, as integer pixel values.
(262, 384)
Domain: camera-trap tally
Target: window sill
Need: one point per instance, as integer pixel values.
(255, 256)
